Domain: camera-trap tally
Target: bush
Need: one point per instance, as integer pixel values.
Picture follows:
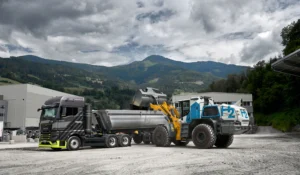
(283, 121)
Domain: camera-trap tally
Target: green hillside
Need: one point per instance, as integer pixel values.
(106, 87)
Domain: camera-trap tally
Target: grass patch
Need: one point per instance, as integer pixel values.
(4, 81)
(32, 76)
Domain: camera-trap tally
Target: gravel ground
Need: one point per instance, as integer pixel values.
(249, 154)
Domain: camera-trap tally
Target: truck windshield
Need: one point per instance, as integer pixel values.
(48, 113)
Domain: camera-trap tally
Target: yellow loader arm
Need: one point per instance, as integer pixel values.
(172, 114)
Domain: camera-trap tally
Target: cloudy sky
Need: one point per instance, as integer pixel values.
(118, 32)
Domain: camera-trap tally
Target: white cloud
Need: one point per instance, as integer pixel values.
(118, 32)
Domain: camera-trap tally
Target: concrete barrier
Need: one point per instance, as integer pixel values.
(19, 138)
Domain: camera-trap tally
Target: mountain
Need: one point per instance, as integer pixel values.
(114, 84)
(215, 68)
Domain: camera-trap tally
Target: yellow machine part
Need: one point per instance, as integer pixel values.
(173, 115)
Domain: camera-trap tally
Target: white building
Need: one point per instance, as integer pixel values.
(19, 104)
(221, 97)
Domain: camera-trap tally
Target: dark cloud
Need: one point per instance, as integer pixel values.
(11, 47)
(156, 16)
(211, 15)
(237, 35)
(258, 49)
(35, 16)
(140, 4)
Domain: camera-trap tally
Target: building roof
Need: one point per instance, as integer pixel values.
(217, 96)
(290, 64)
(32, 89)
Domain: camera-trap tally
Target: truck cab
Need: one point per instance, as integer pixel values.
(67, 122)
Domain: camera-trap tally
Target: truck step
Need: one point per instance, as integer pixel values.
(184, 130)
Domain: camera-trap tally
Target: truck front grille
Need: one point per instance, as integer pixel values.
(45, 137)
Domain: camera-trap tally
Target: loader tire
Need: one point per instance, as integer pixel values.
(224, 141)
(137, 139)
(203, 136)
(161, 136)
(181, 143)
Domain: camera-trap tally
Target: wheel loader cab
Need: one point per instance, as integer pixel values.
(196, 108)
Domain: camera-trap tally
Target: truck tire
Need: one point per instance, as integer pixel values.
(73, 143)
(181, 143)
(111, 141)
(203, 136)
(124, 140)
(224, 141)
(137, 139)
(161, 136)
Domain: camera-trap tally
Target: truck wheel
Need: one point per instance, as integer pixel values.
(73, 143)
(181, 143)
(137, 139)
(111, 141)
(161, 136)
(224, 141)
(124, 140)
(203, 136)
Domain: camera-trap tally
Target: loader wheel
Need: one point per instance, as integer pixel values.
(181, 143)
(161, 136)
(73, 143)
(203, 136)
(137, 139)
(224, 141)
(111, 141)
(124, 140)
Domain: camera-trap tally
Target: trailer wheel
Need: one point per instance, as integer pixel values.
(203, 136)
(74, 143)
(111, 141)
(124, 140)
(224, 141)
(181, 143)
(137, 138)
(161, 136)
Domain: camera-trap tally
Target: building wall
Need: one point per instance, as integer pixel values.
(15, 96)
(23, 102)
(3, 110)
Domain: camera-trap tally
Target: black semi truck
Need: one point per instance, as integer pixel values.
(67, 122)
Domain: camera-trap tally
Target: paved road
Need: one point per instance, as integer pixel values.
(249, 154)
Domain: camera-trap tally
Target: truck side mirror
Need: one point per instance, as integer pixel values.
(39, 109)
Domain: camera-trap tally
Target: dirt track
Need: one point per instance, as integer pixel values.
(249, 154)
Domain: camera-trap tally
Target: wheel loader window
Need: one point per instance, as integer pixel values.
(210, 111)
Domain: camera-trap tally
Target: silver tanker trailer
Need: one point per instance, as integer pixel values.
(67, 122)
